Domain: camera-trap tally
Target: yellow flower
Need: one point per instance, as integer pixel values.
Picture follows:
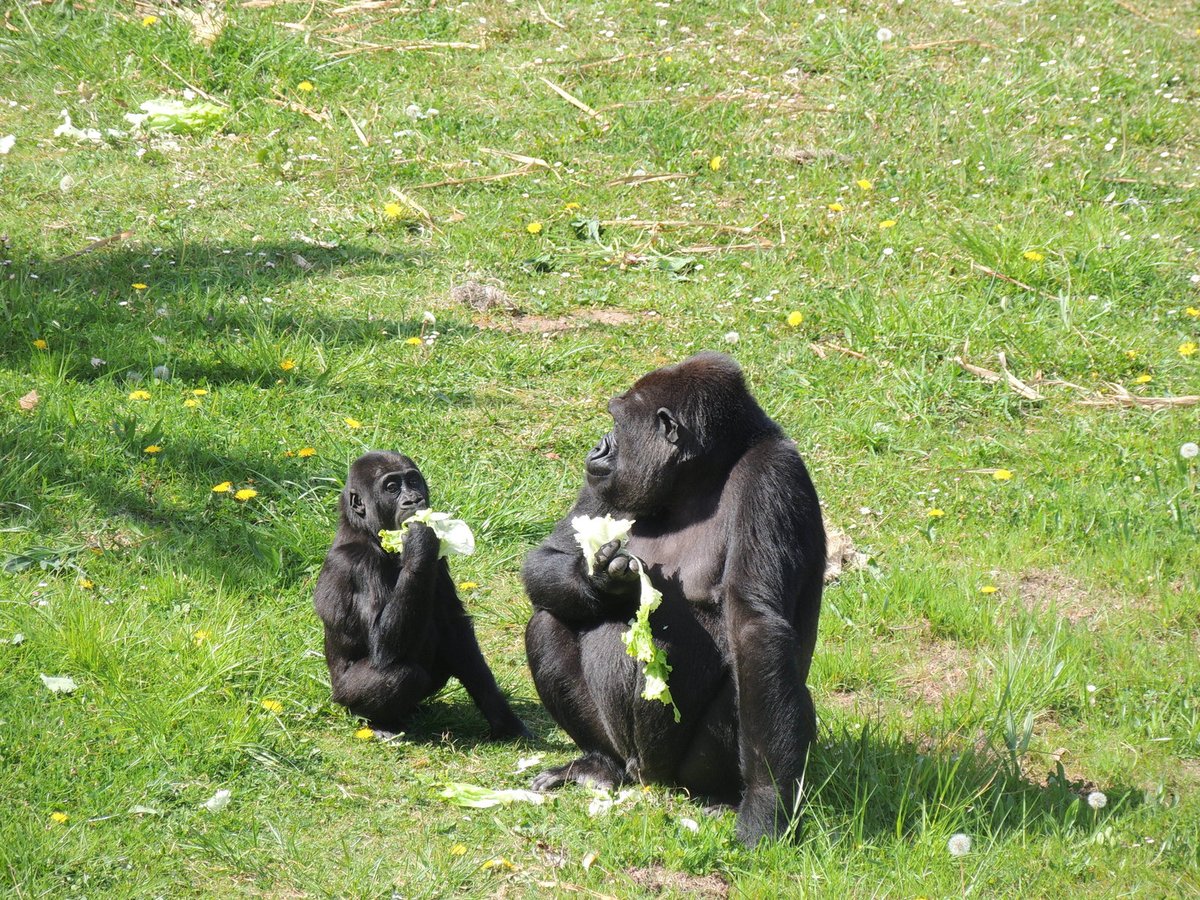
(223, 488)
(364, 734)
(534, 227)
(715, 163)
(191, 402)
(306, 86)
(568, 206)
(468, 585)
(888, 223)
(458, 849)
(988, 589)
(353, 423)
(58, 818)
(272, 706)
(245, 494)
(40, 344)
(201, 636)
(934, 513)
(287, 364)
(1143, 379)
(865, 185)
(1193, 312)
(86, 583)
(795, 319)
(413, 341)
(1187, 348)
(393, 211)
(1131, 354)
(152, 449)
(147, 21)
(1033, 256)
(1002, 475)
(498, 863)
(835, 207)
(306, 452)
(139, 395)
(138, 286)
(200, 392)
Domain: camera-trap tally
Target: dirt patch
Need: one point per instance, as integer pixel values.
(937, 671)
(548, 325)
(840, 554)
(480, 295)
(1049, 590)
(656, 880)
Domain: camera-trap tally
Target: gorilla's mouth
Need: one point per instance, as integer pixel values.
(600, 459)
(408, 510)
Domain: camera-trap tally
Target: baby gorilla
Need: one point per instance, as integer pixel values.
(395, 629)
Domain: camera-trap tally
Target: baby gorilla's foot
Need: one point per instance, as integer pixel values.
(594, 770)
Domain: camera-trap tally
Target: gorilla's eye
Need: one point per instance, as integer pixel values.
(392, 487)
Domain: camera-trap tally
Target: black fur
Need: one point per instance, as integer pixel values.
(395, 629)
(729, 528)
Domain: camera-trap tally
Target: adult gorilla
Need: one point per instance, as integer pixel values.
(729, 529)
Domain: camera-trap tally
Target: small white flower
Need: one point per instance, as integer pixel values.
(97, 362)
(1097, 800)
(429, 318)
(732, 337)
(66, 183)
(883, 35)
(1189, 450)
(690, 824)
(6, 143)
(959, 844)
(217, 801)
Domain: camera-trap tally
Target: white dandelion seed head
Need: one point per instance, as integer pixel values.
(1189, 450)
(732, 337)
(959, 844)
(883, 35)
(1097, 800)
(429, 318)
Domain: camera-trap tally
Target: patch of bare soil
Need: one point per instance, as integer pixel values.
(937, 671)
(1049, 590)
(656, 880)
(555, 325)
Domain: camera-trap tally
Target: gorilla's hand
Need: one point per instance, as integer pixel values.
(420, 543)
(615, 571)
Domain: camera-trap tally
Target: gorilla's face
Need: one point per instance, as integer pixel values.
(384, 490)
(633, 467)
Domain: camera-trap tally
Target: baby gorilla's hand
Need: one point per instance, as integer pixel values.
(420, 542)
(615, 571)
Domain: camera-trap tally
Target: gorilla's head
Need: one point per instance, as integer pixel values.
(382, 490)
(676, 422)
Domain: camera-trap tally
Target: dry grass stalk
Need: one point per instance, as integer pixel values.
(646, 179)
(203, 93)
(680, 223)
(576, 102)
(474, 179)
(95, 245)
(992, 272)
(362, 137)
(369, 6)
(517, 157)
(545, 15)
(321, 117)
(412, 204)
(1122, 397)
(930, 45)
(403, 47)
(1006, 376)
(819, 348)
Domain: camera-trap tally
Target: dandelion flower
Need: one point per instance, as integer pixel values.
(1193, 312)
(865, 185)
(1002, 475)
(364, 734)
(795, 319)
(306, 86)
(534, 227)
(191, 402)
(306, 452)
(138, 286)
(1131, 354)
(572, 205)
(1189, 450)
(352, 423)
(58, 818)
(1143, 379)
(152, 449)
(287, 364)
(223, 488)
(959, 844)
(273, 706)
(988, 589)
(716, 162)
(471, 585)
(393, 211)
(200, 392)
(1097, 800)
(835, 207)
(245, 494)
(883, 35)
(139, 395)
(1033, 256)
(147, 21)
(498, 863)
(1188, 348)
(935, 513)
(458, 849)
(40, 344)
(413, 341)
(888, 223)
(86, 583)
(201, 636)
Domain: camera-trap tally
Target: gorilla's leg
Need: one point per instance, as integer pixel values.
(382, 696)
(555, 660)
(464, 660)
(710, 767)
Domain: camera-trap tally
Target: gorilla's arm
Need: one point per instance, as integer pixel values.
(774, 577)
(557, 580)
(402, 623)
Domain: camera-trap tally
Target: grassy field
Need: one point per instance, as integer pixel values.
(1016, 186)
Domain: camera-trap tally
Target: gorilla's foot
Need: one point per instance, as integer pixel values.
(594, 770)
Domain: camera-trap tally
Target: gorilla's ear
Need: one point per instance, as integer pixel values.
(356, 504)
(668, 425)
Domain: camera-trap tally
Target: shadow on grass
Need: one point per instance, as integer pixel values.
(885, 785)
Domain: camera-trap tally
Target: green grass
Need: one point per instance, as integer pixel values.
(1065, 131)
